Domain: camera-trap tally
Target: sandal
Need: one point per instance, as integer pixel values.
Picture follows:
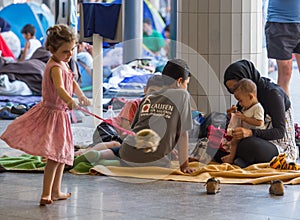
(212, 186)
(276, 188)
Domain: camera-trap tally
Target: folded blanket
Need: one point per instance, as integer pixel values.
(24, 162)
(29, 163)
(226, 173)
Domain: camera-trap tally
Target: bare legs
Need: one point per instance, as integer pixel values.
(230, 157)
(284, 74)
(52, 183)
(98, 147)
(297, 55)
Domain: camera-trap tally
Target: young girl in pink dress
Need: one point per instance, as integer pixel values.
(45, 130)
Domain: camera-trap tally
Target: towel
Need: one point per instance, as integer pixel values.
(226, 173)
(24, 162)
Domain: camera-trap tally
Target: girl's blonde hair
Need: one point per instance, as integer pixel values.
(59, 34)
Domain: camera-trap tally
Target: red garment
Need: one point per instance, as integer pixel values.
(6, 52)
(127, 112)
(215, 136)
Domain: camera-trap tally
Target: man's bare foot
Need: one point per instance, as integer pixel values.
(61, 196)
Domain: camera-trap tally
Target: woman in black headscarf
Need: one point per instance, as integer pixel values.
(261, 145)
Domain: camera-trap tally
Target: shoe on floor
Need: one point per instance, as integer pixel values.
(6, 114)
(19, 109)
(212, 186)
(276, 188)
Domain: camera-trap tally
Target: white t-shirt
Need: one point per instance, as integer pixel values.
(34, 44)
(256, 111)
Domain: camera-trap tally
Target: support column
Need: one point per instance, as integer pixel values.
(133, 30)
(211, 35)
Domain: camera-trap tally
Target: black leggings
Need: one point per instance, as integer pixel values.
(252, 150)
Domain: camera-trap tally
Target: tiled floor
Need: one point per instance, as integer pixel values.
(100, 197)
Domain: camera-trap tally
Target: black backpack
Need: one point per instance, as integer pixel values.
(105, 132)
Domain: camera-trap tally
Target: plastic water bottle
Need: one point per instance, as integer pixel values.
(110, 113)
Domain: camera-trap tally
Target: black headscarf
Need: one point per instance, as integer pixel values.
(246, 69)
(4, 25)
(240, 70)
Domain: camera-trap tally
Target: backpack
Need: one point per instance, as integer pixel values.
(216, 119)
(104, 133)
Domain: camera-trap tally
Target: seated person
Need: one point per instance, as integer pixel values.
(152, 39)
(11, 39)
(32, 44)
(250, 116)
(85, 54)
(261, 145)
(125, 117)
(166, 112)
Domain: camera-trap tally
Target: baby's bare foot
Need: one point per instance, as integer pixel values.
(61, 196)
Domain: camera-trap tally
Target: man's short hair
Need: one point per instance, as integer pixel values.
(175, 69)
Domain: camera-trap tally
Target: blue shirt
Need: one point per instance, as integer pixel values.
(284, 11)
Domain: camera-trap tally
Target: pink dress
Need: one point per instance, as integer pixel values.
(45, 130)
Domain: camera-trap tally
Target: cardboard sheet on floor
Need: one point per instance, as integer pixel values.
(226, 173)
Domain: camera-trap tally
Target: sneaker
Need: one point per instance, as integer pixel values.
(6, 114)
(19, 109)
(212, 186)
(276, 188)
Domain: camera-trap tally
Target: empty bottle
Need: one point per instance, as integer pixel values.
(110, 113)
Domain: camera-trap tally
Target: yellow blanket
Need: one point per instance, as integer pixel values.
(226, 173)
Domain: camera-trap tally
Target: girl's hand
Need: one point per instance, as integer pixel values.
(240, 133)
(72, 104)
(84, 101)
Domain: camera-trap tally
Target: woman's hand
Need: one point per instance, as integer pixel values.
(233, 109)
(240, 133)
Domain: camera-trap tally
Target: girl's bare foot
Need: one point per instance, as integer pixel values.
(45, 201)
(61, 196)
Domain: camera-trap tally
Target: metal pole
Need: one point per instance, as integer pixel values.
(173, 28)
(133, 30)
